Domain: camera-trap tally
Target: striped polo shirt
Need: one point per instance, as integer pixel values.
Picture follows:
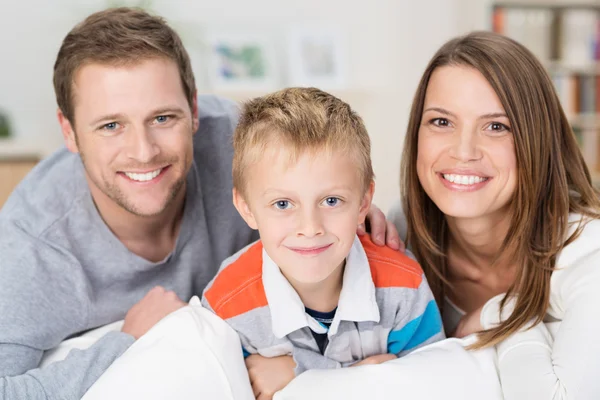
(385, 306)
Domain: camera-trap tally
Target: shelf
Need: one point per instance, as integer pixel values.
(556, 4)
(13, 149)
(554, 67)
(586, 120)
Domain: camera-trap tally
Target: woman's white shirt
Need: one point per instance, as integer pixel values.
(559, 358)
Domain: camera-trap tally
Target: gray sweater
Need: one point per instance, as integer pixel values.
(63, 272)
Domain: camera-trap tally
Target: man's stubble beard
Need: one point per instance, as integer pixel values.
(114, 193)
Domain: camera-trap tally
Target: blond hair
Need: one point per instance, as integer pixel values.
(303, 120)
(118, 36)
(553, 179)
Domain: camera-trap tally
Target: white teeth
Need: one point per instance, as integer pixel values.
(464, 179)
(143, 177)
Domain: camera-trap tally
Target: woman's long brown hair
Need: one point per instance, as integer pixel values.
(553, 179)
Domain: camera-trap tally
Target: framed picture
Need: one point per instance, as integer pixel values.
(318, 57)
(241, 61)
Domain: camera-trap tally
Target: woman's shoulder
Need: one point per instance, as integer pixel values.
(587, 242)
(578, 264)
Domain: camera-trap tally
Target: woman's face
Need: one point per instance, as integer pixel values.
(466, 159)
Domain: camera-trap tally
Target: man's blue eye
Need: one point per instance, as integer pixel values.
(282, 204)
(111, 126)
(162, 118)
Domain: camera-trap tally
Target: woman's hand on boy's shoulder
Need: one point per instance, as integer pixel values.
(383, 232)
(269, 375)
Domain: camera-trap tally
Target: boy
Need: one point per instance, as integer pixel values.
(310, 287)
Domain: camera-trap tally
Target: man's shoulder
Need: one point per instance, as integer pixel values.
(218, 118)
(215, 107)
(391, 268)
(238, 287)
(213, 145)
(46, 194)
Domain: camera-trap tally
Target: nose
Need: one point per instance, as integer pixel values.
(310, 224)
(465, 146)
(141, 145)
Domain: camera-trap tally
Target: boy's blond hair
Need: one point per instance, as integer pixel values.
(303, 120)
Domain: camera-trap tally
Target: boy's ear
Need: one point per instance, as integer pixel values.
(68, 132)
(365, 205)
(244, 209)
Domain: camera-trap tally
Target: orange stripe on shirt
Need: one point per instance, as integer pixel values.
(391, 268)
(238, 288)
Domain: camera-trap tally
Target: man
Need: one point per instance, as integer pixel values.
(133, 216)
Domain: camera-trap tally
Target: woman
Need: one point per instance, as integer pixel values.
(502, 215)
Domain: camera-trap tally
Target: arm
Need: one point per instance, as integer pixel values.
(72, 377)
(421, 325)
(44, 298)
(68, 379)
(42, 302)
(532, 364)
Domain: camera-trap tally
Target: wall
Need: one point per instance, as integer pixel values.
(391, 42)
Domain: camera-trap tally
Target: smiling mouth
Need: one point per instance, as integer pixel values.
(465, 180)
(145, 176)
(310, 251)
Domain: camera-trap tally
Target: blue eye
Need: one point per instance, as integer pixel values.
(282, 204)
(111, 126)
(161, 119)
(331, 201)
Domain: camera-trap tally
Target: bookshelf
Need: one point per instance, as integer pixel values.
(565, 36)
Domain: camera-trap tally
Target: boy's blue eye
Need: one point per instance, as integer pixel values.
(282, 204)
(332, 201)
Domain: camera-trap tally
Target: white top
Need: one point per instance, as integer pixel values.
(560, 358)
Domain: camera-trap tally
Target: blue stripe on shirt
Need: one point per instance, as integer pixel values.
(416, 331)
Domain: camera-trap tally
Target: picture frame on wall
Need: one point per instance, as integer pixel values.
(241, 61)
(318, 56)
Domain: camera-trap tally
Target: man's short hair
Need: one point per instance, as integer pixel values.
(120, 37)
(302, 120)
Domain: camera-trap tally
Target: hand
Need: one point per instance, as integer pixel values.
(378, 359)
(468, 324)
(153, 307)
(269, 375)
(383, 232)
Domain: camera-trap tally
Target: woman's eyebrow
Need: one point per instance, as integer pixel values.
(440, 110)
(494, 115)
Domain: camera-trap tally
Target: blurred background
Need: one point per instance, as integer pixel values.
(369, 53)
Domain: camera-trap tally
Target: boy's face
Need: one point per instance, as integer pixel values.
(133, 129)
(306, 212)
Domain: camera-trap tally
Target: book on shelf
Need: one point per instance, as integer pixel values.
(569, 35)
(567, 41)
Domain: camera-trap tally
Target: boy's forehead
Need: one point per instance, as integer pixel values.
(280, 164)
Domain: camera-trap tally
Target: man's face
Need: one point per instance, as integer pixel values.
(133, 128)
